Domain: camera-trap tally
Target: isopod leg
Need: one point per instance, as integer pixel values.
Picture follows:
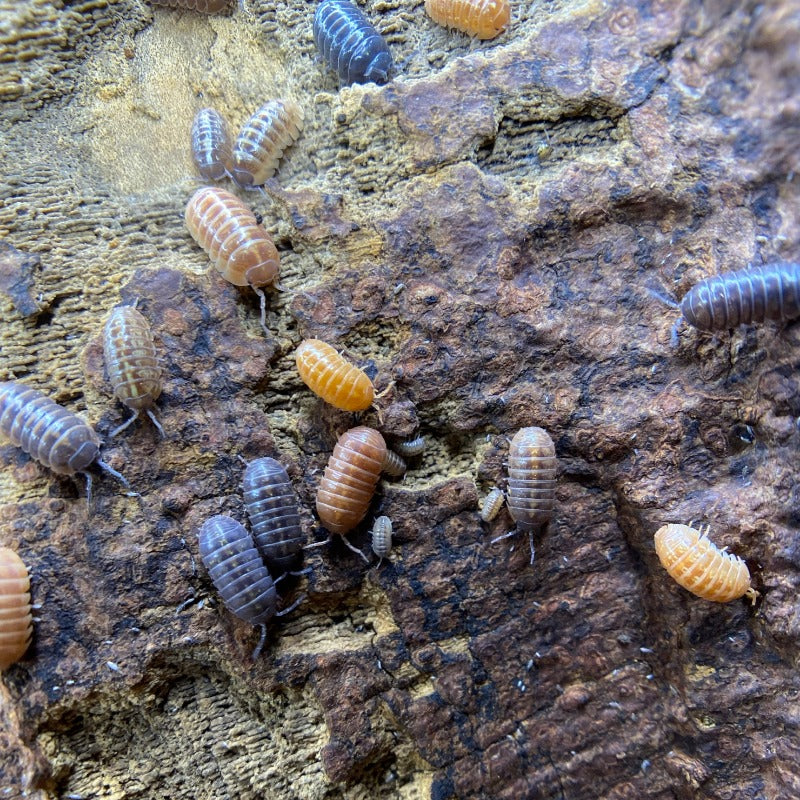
(88, 488)
(124, 425)
(317, 544)
(263, 299)
(111, 471)
(260, 645)
(292, 607)
(354, 549)
(504, 536)
(155, 422)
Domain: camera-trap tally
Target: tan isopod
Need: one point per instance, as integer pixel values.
(211, 144)
(382, 538)
(393, 465)
(239, 247)
(697, 564)
(132, 363)
(333, 378)
(263, 139)
(16, 625)
(492, 504)
(203, 6)
(484, 19)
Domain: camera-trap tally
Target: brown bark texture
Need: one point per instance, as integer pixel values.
(490, 231)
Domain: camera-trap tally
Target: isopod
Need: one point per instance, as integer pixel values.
(238, 573)
(394, 465)
(492, 504)
(350, 44)
(410, 447)
(382, 538)
(697, 564)
(348, 484)
(531, 481)
(48, 432)
(132, 363)
(203, 6)
(16, 625)
(263, 140)
(333, 378)
(272, 508)
(211, 144)
(239, 247)
(484, 19)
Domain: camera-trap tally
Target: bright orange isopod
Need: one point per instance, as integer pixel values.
(332, 377)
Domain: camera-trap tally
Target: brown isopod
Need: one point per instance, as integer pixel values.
(211, 144)
(239, 247)
(382, 538)
(531, 481)
(410, 448)
(50, 433)
(203, 6)
(492, 504)
(697, 564)
(393, 465)
(349, 482)
(330, 376)
(258, 148)
(483, 19)
(16, 625)
(132, 363)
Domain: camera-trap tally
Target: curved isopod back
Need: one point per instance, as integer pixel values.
(333, 378)
(211, 144)
(16, 625)
(484, 19)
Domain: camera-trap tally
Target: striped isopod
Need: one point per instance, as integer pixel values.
(410, 447)
(394, 465)
(239, 247)
(770, 292)
(211, 144)
(348, 484)
(350, 44)
(50, 433)
(262, 140)
(203, 6)
(271, 505)
(16, 625)
(484, 19)
(132, 363)
(333, 378)
(492, 504)
(531, 481)
(382, 537)
(697, 564)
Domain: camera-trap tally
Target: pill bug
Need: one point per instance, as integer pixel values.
(410, 447)
(263, 139)
(235, 567)
(272, 508)
(132, 363)
(531, 481)
(239, 247)
(350, 44)
(348, 484)
(330, 376)
(203, 6)
(211, 144)
(394, 465)
(483, 19)
(16, 625)
(758, 294)
(48, 432)
(697, 564)
(492, 504)
(382, 538)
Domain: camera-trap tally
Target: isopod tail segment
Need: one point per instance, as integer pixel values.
(514, 533)
(263, 638)
(114, 474)
(344, 541)
(668, 301)
(134, 417)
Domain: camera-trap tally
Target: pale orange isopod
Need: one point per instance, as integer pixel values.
(484, 19)
(333, 378)
(262, 140)
(203, 6)
(239, 247)
(698, 565)
(16, 626)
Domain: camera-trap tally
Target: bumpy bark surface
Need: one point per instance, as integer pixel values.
(487, 231)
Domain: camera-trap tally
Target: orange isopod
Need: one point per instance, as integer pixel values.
(203, 6)
(332, 377)
(239, 247)
(697, 564)
(484, 19)
(16, 626)
(262, 140)
(348, 484)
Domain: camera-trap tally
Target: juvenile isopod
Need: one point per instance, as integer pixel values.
(203, 6)
(382, 538)
(348, 484)
(394, 465)
(48, 432)
(697, 564)
(272, 508)
(132, 363)
(484, 19)
(492, 504)
(238, 573)
(333, 378)
(211, 144)
(410, 448)
(350, 44)
(263, 140)
(531, 480)
(16, 625)
(239, 247)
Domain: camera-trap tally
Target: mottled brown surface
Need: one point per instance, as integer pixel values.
(484, 231)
